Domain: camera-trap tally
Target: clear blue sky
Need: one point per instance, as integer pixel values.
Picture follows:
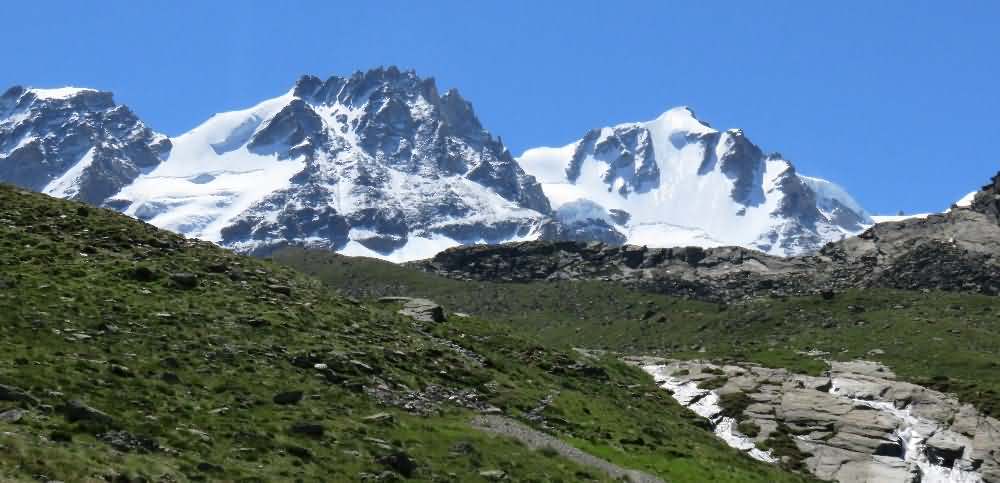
(899, 101)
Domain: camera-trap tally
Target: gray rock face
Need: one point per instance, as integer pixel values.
(79, 145)
(856, 424)
(583, 231)
(987, 201)
(741, 160)
(629, 154)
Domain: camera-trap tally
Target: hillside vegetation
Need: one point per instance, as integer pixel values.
(944, 340)
(131, 354)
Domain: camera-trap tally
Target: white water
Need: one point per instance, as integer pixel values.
(706, 405)
(913, 433)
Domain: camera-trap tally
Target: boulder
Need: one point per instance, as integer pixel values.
(288, 397)
(12, 393)
(184, 280)
(12, 415)
(945, 447)
(423, 310)
(77, 411)
(307, 429)
(400, 462)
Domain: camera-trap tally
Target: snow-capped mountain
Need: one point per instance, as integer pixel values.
(380, 164)
(677, 181)
(374, 164)
(73, 143)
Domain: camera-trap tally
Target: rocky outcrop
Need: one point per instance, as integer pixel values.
(419, 309)
(987, 201)
(956, 251)
(856, 423)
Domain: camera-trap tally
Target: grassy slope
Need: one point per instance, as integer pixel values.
(204, 363)
(945, 340)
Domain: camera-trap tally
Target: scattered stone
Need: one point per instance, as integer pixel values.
(462, 448)
(127, 442)
(12, 415)
(258, 322)
(288, 397)
(218, 267)
(400, 462)
(143, 274)
(308, 429)
(281, 289)
(494, 475)
(170, 378)
(121, 371)
(380, 418)
(197, 433)
(206, 467)
(61, 437)
(299, 452)
(184, 280)
(12, 393)
(78, 411)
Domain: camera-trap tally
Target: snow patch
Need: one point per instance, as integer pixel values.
(59, 93)
(67, 185)
(966, 201)
(416, 248)
(891, 218)
(210, 177)
(828, 192)
(667, 235)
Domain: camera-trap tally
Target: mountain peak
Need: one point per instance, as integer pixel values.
(376, 163)
(78, 97)
(73, 142)
(681, 118)
(676, 175)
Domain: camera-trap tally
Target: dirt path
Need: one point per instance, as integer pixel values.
(536, 440)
